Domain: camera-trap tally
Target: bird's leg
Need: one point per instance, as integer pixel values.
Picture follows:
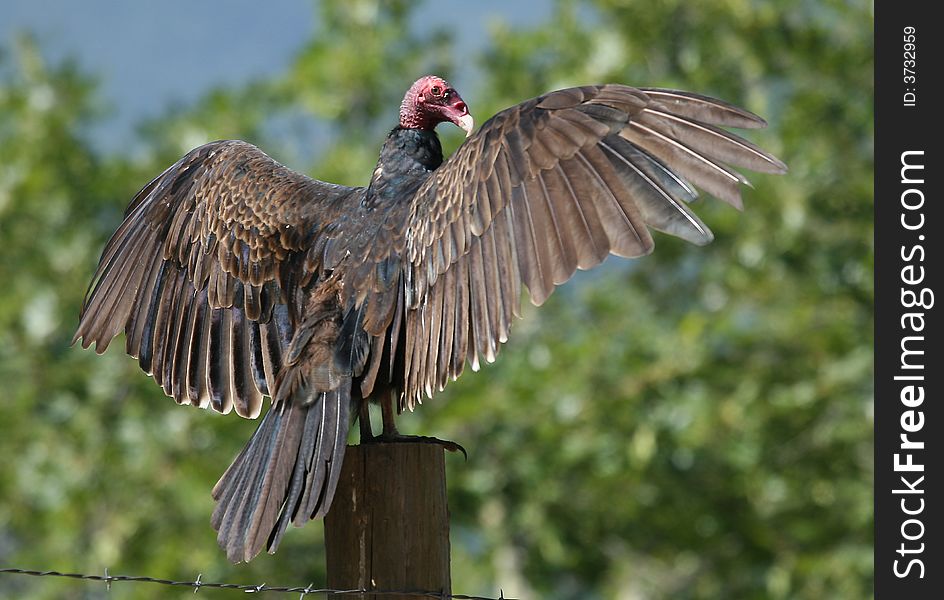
(392, 435)
(389, 416)
(363, 418)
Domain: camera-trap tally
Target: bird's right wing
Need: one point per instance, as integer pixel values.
(548, 186)
(201, 273)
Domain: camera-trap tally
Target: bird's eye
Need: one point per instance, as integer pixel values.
(436, 90)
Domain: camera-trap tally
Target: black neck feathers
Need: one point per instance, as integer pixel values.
(406, 160)
(409, 148)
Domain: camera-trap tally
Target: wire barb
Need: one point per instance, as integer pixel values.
(249, 589)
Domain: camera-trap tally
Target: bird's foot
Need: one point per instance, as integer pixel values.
(399, 438)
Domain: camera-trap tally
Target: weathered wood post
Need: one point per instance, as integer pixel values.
(388, 527)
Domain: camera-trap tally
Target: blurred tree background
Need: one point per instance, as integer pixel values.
(695, 424)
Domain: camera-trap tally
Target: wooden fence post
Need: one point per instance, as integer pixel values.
(388, 527)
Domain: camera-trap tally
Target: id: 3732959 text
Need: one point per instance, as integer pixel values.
(910, 66)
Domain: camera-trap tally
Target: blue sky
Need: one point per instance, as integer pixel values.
(143, 53)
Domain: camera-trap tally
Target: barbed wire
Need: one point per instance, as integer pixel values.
(198, 584)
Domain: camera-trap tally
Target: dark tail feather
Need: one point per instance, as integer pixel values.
(287, 472)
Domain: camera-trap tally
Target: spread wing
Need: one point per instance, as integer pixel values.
(201, 274)
(549, 186)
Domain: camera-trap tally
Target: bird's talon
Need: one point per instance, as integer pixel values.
(398, 438)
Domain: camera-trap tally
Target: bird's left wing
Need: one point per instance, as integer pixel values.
(549, 186)
(201, 273)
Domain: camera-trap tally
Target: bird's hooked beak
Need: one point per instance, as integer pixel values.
(466, 123)
(460, 113)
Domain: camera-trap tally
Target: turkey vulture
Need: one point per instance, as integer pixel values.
(235, 278)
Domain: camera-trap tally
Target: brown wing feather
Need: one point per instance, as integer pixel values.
(549, 186)
(193, 273)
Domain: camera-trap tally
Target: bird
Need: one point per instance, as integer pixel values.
(236, 279)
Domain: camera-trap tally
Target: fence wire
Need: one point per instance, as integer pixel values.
(198, 584)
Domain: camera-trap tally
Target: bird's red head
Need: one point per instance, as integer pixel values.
(430, 101)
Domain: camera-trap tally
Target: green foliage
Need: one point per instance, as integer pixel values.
(695, 424)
